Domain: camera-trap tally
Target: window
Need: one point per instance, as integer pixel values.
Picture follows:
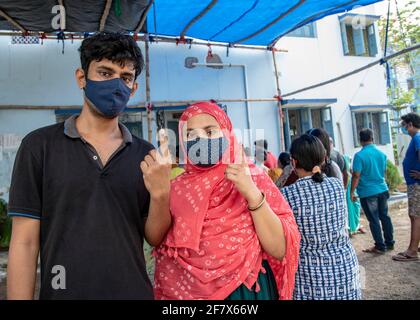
(359, 41)
(306, 31)
(378, 122)
(298, 121)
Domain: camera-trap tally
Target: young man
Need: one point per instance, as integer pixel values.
(79, 196)
(369, 166)
(411, 164)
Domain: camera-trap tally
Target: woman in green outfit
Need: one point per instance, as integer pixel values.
(353, 207)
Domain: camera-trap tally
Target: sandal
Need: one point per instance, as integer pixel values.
(402, 256)
(361, 230)
(374, 250)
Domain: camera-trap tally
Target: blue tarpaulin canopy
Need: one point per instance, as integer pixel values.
(246, 22)
(250, 22)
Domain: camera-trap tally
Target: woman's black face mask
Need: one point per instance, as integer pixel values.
(204, 152)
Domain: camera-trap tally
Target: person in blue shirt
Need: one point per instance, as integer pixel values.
(410, 125)
(369, 166)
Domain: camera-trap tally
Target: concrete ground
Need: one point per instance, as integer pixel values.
(382, 278)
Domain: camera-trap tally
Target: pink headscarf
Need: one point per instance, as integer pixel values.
(212, 247)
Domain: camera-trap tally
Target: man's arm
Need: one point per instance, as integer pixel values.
(23, 259)
(345, 177)
(354, 183)
(158, 220)
(413, 173)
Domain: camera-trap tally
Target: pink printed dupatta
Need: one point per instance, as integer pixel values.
(212, 247)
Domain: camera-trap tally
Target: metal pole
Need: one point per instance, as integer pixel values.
(164, 103)
(279, 106)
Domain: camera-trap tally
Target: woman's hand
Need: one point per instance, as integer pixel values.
(240, 175)
(156, 168)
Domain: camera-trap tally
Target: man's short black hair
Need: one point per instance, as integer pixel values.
(413, 118)
(116, 47)
(366, 135)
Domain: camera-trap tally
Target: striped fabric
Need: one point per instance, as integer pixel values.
(328, 266)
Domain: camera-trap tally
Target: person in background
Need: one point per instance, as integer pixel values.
(328, 266)
(263, 155)
(411, 126)
(352, 206)
(330, 168)
(176, 168)
(369, 166)
(288, 175)
(338, 158)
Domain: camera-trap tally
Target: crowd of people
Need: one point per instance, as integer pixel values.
(326, 195)
(86, 193)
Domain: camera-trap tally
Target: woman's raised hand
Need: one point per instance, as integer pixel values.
(240, 174)
(156, 168)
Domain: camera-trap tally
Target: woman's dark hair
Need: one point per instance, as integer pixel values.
(116, 47)
(324, 137)
(284, 159)
(308, 152)
(412, 118)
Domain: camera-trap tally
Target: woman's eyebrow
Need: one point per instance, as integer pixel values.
(205, 128)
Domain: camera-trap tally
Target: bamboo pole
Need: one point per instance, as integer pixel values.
(157, 39)
(12, 21)
(279, 106)
(143, 17)
(157, 104)
(105, 15)
(148, 100)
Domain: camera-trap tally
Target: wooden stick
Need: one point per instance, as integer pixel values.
(279, 106)
(148, 100)
(105, 15)
(12, 21)
(144, 16)
(198, 17)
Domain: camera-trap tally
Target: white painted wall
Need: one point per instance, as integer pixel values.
(42, 75)
(313, 60)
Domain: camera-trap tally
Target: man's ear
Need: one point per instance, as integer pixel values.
(134, 88)
(80, 78)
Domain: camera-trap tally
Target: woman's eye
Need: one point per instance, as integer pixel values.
(212, 133)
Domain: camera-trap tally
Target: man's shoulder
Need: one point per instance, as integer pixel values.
(142, 144)
(43, 134)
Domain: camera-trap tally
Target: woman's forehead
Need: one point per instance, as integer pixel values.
(201, 121)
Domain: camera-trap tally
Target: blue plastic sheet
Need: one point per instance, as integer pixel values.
(240, 21)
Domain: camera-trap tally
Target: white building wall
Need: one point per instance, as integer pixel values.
(40, 75)
(313, 60)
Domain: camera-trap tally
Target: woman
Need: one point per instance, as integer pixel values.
(233, 234)
(330, 168)
(288, 176)
(352, 206)
(328, 266)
